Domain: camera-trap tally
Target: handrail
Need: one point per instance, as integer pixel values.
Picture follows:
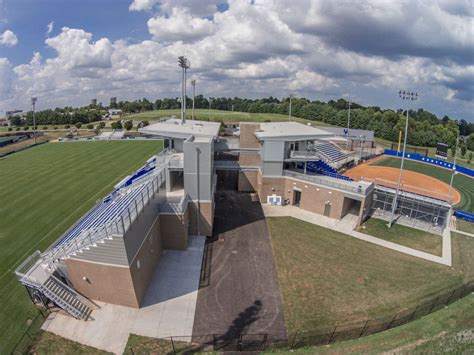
(326, 182)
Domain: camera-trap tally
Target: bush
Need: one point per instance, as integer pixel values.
(117, 125)
(26, 128)
(470, 158)
(45, 127)
(128, 125)
(78, 125)
(101, 125)
(463, 150)
(90, 126)
(69, 135)
(10, 129)
(67, 126)
(145, 123)
(55, 127)
(17, 129)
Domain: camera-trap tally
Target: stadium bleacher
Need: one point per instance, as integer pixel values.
(322, 168)
(329, 150)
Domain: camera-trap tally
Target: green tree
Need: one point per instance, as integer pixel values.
(463, 150)
(78, 125)
(128, 125)
(469, 158)
(101, 125)
(116, 125)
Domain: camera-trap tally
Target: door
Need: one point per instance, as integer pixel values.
(296, 198)
(327, 209)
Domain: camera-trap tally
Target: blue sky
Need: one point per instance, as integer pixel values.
(361, 50)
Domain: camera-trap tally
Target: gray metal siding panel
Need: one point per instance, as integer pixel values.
(273, 151)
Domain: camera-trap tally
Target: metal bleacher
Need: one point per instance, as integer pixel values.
(329, 151)
(110, 218)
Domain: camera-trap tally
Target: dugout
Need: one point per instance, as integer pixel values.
(413, 209)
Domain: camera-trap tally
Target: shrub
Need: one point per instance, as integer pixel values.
(101, 125)
(128, 125)
(470, 158)
(17, 129)
(55, 127)
(26, 128)
(69, 135)
(10, 129)
(78, 125)
(463, 150)
(45, 127)
(90, 126)
(67, 126)
(117, 125)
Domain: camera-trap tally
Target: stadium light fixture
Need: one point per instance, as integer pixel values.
(193, 83)
(185, 64)
(405, 96)
(289, 110)
(454, 162)
(33, 104)
(348, 124)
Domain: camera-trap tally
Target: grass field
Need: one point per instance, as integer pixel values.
(51, 344)
(44, 191)
(327, 277)
(219, 115)
(461, 182)
(410, 237)
(447, 331)
(465, 226)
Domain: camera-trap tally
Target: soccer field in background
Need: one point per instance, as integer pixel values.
(45, 190)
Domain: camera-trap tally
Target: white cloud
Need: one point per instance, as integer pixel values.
(263, 48)
(179, 26)
(6, 75)
(50, 28)
(142, 5)
(8, 38)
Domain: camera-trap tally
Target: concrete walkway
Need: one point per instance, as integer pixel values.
(462, 232)
(346, 226)
(167, 309)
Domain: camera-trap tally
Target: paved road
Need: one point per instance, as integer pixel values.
(239, 288)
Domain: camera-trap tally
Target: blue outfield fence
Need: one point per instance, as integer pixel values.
(423, 159)
(464, 215)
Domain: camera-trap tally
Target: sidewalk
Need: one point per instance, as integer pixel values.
(347, 225)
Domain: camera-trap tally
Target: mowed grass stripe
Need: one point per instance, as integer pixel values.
(462, 183)
(44, 191)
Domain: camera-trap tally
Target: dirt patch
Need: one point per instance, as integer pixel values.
(411, 181)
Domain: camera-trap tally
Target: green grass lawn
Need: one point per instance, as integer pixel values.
(447, 331)
(462, 183)
(465, 226)
(219, 115)
(410, 237)
(329, 278)
(45, 190)
(51, 344)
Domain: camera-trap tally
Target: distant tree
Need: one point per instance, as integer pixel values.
(45, 127)
(463, 150)
(90, 126)
(15, 120)
(55, 127)
(67, 126)
(101, 125)
(128, 125)
(10, 129)
(26, 128)
(78, 125)
(17, 129)
(469, 160)
(116, 125)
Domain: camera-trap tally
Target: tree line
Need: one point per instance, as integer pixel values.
(425, 128)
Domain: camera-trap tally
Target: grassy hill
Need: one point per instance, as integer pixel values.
(44, 191)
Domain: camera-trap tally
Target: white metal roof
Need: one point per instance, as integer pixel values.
(282, 130)
(174, 129)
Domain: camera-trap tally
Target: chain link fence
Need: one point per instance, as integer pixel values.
(24, 344)
(295, 340)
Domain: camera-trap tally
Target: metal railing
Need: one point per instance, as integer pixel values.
(118, 226)
(346, 186)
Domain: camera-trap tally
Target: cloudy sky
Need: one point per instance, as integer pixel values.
(69, 51)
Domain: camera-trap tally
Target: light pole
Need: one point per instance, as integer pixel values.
(454, 164)
(210, 102)
(198, 188)
(193, 83)
(404, 95)
(289, 111)
(33, 103)
(185, 64)
(348, 124)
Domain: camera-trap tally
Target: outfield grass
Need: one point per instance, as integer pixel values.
(329, 278)
(409, 237)
(461, 182)
(219, 115)
(44, 190)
